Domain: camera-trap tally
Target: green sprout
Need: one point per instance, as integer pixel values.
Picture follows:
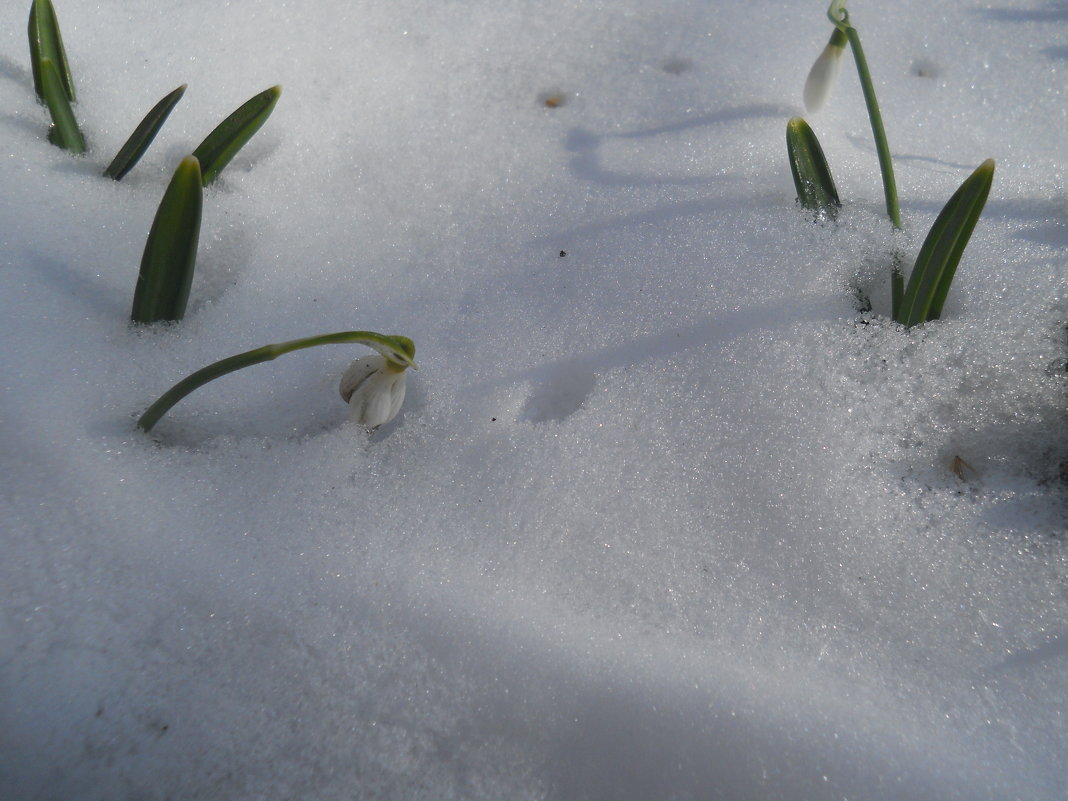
(171, 250)
(937, 261)
(130, 153)
(812, 177)
(47, 43)
(231, 134)
(397, 353)
(51, 76)
(64, 132)
(170, 253)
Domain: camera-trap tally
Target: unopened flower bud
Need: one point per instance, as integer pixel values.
(373, 387)
(824, 72)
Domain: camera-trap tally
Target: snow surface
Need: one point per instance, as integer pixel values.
(665, 517)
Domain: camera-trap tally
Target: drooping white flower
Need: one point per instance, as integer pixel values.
(824, 72)
(373, 387)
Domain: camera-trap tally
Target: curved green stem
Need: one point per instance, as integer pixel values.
(397, 349)
(840, 17)
(837, 13)
(882, 147)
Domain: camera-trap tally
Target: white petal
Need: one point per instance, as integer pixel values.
(358, 372)
(377, 399)
(822, 77)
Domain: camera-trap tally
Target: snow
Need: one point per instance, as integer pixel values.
(663, 517)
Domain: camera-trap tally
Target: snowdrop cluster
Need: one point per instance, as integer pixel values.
(922, 299)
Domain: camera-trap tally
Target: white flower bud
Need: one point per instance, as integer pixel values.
(373, 387)
(823, 74)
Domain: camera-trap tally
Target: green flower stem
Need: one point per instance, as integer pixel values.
(397, 350)
(840, 17)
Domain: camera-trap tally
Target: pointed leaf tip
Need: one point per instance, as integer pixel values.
(941, 252)
(808, 165)
(47, 43)
(130, 153)
(223, 143)
(170, 253)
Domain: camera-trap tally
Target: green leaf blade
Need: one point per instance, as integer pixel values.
(941, 252)
(222, 144)
(130, 153)
(812, 175)
(170, 253)
(47, 43)
(65, 132)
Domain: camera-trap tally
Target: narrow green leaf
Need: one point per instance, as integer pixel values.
(171, 250)
(394, 347)
(47, 43)
(65, 132)
(942, 249)
(231, 134)
(812, 176)
(130, 153)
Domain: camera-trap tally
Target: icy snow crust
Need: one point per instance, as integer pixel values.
(665, 517)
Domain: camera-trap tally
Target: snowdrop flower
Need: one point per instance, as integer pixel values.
(373, 386)
(824, 72)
